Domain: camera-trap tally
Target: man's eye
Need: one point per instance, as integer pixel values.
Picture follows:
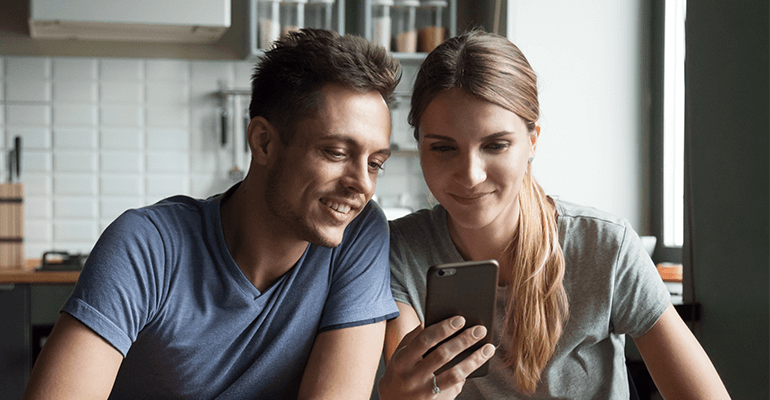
(376, 165)
(336, 154)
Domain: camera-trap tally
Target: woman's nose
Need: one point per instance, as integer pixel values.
(470, 171)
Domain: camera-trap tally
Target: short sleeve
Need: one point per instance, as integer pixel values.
(360, 289)
(640, 296)
(117, 291)
(399, 272)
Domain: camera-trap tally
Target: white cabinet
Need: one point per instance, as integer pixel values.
(192, 21)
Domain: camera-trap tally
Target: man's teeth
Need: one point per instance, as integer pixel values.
(337, 207)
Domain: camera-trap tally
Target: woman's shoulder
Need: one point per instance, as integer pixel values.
(575, 215)
(418, 223)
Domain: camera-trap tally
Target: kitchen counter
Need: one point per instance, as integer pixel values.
(30, 301)
(19, 276)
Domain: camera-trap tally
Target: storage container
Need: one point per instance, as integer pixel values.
(404, 30)
(380, 11)
(432, 30)
(292, 15)
(268, 18)
(320, 14)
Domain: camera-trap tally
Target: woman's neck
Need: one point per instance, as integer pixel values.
(484, 243)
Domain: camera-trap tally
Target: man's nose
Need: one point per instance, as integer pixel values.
(359, 179)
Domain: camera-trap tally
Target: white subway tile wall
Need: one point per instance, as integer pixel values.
(102, 135)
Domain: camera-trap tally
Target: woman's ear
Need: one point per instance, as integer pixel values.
(534, 138)
(262, 139)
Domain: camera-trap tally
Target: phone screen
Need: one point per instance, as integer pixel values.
(466, 288)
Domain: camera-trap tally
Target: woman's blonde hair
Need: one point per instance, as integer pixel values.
(494, 69)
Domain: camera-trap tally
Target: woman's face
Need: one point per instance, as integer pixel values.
(474, 156)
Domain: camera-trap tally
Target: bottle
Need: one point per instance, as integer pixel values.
(381, 22)
(432, 33)
(292, 15)
(404, 26)
(269, 22)
(320, 14)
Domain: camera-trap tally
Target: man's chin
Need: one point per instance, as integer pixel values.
(330, 240)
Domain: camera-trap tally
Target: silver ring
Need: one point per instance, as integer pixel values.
(436, 390)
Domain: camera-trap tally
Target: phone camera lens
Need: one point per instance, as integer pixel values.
(441, 273)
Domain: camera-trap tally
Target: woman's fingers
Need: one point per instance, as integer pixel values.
(447, 351)
(417, 342)
(454, 378)
(410, 372)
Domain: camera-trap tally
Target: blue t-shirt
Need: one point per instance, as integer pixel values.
(161, 286)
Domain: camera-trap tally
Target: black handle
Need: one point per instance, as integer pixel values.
(17, 154)
(223, 121)
(246, 121)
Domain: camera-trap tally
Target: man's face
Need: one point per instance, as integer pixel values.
(323, 180)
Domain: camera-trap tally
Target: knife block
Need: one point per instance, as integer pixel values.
(12, 226)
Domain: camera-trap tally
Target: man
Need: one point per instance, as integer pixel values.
(278, 288)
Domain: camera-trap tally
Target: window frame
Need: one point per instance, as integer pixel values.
(663, 252)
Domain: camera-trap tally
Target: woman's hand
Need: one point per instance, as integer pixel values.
(409, 375)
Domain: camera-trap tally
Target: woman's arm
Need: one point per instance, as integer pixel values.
(678, 364)
(409, 375)
(75, 363)
(399, 327)
(343, 363)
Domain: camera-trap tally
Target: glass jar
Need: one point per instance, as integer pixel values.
(432, 31)
(320, 14)
(269, 22)
(381, 22)
(404, 29)
(292, 15)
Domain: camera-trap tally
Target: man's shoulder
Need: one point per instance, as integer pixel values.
(170, 217)
(371, 221)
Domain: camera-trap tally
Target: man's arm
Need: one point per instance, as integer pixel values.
(75, 363)
(343, 363)
(677, 362)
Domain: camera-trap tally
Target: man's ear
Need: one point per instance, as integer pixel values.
(263, 139)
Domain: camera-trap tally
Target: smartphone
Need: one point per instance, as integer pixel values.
(466, 288)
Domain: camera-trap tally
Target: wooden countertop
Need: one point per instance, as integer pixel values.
(19, 276)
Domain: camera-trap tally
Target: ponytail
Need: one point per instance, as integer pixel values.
(537, 306)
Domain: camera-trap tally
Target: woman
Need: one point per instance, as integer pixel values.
(573, 280)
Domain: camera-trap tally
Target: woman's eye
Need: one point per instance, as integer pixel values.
(441, 148)
(497, 146)
(375, 165)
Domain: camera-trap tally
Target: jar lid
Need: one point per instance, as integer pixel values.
(382, 2)
(408, 3)
(434, 3)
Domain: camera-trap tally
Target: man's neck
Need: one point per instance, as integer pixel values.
(260, 253)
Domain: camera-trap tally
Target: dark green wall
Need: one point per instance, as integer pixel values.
(727, 133)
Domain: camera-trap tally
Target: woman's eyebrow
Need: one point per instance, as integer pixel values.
(488, 137)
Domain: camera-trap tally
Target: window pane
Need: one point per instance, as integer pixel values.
(673, 124)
